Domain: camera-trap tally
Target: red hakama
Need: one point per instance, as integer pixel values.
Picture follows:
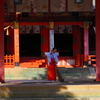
(52, 70)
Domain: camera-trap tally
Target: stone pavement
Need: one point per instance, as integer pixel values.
(43, 90)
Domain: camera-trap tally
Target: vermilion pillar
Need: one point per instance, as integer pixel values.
(86, 45)
(77, 45)
(2, 41)
(44, 40)
(16, 43)
(97, 40)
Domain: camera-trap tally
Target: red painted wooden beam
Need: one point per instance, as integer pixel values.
(46, 23)
(69, 23)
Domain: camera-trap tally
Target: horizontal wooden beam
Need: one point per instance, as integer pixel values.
(69, 23)
(45, 23)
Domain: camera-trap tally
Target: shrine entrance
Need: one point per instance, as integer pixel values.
(34, 43)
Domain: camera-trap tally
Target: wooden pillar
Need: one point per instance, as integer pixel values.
(97, 40)
(51, 34)
(16, 43)
(86, 45)
(44, 40)
(77, 45)
(2, 80)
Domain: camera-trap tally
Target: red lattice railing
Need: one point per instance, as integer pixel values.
(9, 61)
(91, 60)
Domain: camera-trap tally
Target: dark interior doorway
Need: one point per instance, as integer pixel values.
(64, 44)
(30, 45)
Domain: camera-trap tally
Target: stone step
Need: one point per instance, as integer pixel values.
(41, 73)
(50, 94)
(50, 91)
(53, 88)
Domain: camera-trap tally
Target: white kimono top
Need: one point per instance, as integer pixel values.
(51, 55)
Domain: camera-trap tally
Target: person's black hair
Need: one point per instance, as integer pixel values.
(54, 48)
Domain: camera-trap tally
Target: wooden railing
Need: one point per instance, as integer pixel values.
(91, 60)
(9, 61)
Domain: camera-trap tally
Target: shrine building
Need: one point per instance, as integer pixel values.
(30, 28)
